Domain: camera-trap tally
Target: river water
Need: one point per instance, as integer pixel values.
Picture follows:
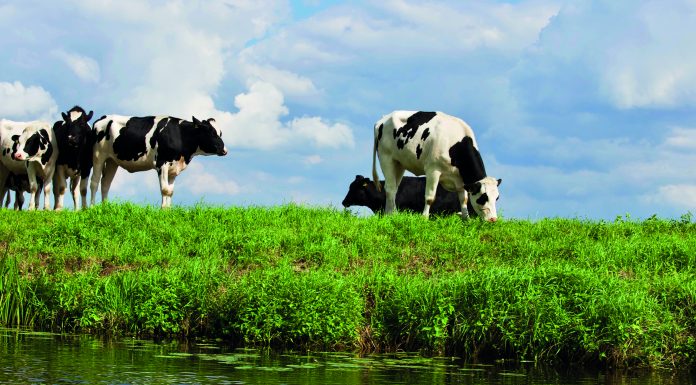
(45, 358)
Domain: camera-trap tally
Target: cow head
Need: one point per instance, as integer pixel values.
(362, 192)
(209, 138)
(483, 195)
(77, 128)
(33, 144)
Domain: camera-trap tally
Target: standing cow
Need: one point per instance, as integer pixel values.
(439, 146)
(362, 192)
(19, 184)
(163, 143)
(28, 148)
(73, 135)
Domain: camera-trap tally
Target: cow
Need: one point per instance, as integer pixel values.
(439, 146)
(362, 192)
(163, 143)
(74, 138)
(28, 148)
(19, 184)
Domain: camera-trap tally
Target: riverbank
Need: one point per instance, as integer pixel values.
(616, 293)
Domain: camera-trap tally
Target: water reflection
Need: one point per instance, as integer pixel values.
(27, 357)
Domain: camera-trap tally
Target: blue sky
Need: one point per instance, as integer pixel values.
(584, 108)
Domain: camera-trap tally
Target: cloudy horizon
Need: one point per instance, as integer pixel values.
(584, 109)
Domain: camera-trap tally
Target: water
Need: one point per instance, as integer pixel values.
(44, 358)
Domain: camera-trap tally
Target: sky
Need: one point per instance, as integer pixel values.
(584, 109)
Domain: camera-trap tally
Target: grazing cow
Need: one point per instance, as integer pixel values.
(73, 135)
(28, 148)
(362, 192)
(440, 146)
(163, 143)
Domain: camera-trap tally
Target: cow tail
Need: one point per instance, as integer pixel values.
(375, 177)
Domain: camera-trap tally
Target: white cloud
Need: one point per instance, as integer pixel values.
(681, 196)
(682, 138)
(258, 123)
(20, 102)
(85, 68)
(312, 160)
(201, 182)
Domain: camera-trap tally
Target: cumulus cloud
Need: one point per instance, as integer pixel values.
(26, 102)
(681, 196)
(200, 182)
(85, 68)
(258, 123)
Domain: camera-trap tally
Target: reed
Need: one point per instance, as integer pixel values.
(617, 292)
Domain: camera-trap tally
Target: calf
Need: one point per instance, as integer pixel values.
(439, 146)
(163, 143)
(362, 192)
(19, 184)
(28, 148)
(74, 138)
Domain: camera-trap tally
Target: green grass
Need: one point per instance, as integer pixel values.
(619, 293)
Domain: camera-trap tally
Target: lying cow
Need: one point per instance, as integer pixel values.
(362, 192)
(28, 148)
(439, 146)
(163, 143)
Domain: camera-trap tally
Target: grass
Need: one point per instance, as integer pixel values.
(618, 293)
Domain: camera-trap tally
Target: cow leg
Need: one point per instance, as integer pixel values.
(166, 188)
(4, 174)
(33, 187)
(393, 172)
(83, 191)
(19, 200)
(48, 183)
(108, 173)
(6, 195)
(463, 201)
(98, 166)
(75, 188)
(59, 190)
(432, 179)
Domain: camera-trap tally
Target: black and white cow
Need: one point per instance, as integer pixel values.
(439, 146)
(73, 135)
(163, 143)
(28, 148)
(362, 192)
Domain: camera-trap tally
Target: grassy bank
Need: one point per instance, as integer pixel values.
(614, 293)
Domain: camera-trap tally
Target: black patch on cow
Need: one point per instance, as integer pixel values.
(419, 151)
(468, 160)
(400, 143)
(36, 142)
(426, 133)
(408, 131)
(482, 199)
(130, 144)
(379, 131)
(102, 134)
(395, 134)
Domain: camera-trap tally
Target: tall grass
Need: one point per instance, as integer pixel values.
(611, 293)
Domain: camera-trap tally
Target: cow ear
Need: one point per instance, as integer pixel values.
(65, 116)
(195, 121)
(500, 181)
(89, 116)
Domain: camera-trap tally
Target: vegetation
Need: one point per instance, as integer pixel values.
(618, 293)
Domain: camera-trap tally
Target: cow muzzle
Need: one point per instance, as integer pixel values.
(17, 156)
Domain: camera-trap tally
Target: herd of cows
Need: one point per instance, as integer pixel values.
(40, 156)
